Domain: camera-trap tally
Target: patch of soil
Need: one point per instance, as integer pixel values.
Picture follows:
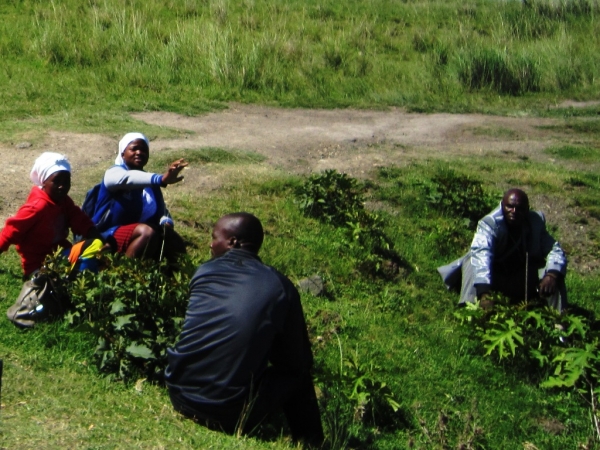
(303, 141)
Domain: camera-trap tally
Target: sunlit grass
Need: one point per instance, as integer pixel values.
(401, 331)
(72, 55)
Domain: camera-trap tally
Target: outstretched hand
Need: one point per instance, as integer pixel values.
(171, 176)
(548, 286)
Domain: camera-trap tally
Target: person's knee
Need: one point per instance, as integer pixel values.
(143, 242)
(144, 232)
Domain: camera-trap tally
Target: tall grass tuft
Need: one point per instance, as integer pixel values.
(564, 9)
(499, 71)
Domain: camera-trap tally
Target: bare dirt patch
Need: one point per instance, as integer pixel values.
(353, 141)
(303, 141)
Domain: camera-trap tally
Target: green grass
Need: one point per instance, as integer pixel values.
(400, 332)
(84, 66)
(589, 127)
(77, 58)
(206, 155)
(571, 152)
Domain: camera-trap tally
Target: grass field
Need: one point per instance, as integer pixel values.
(380, 338)
(86, 63)
(399, 331)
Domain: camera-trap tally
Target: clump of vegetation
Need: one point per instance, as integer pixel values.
(558, 351)
(332, 197)
(458, 195)
(498, 71)
(446, 202)
(357, 402)
(439, 189)
(136, 310)
(337, 198)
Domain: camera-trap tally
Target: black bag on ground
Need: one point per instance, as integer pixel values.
(41, 298)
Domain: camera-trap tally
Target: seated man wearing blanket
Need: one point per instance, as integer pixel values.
(512, 253)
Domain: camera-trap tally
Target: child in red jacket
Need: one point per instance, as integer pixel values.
(42, 224)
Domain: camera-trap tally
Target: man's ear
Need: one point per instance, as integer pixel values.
(234, 242)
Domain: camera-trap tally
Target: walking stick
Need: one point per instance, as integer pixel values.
(162, 245)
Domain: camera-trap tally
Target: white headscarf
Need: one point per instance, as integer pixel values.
(123, 143)
(46, 164)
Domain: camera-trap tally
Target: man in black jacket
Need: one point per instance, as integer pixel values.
(244, 350)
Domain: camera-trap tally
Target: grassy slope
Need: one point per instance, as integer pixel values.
(84, 64)
(401, 332)
(188, 57)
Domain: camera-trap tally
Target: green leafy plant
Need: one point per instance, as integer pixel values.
(450, 236)
(337, 198)
(357, 401)
(578, 368)
(135, 308)
(566, 346)
(458, 195)
(332, 197)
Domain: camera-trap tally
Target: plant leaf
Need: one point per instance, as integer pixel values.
(503, 338)
(117, 306)
(121, 321)
(577, 323)
(140, 351)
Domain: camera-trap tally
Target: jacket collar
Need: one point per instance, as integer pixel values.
(240, 253)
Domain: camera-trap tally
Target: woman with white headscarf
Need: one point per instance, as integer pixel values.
(42, 224)
(130, 210)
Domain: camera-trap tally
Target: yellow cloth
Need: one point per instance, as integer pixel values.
(90, 251)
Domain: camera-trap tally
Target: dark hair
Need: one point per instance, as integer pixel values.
(246, 228)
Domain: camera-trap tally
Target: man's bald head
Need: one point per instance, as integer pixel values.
(515, 206)
(237, 230)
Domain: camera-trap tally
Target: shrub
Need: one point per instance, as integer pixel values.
(560, 351)
(135, 308)
(331, 197)
(457, 195)
(450, 237)
(358, 404)
(337, 198)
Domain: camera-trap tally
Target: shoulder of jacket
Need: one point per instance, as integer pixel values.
(494, 219)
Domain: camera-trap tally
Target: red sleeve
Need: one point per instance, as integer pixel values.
(79, 222)
(18, 225)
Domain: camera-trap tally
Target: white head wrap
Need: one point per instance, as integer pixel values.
(46, 164)
(123, 143)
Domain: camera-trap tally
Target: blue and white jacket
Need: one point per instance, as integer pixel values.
(492, 244)
(121, 197)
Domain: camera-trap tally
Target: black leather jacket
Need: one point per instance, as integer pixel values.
(242, 315)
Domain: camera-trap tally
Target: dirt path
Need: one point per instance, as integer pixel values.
(353, 141)
(304, 141)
